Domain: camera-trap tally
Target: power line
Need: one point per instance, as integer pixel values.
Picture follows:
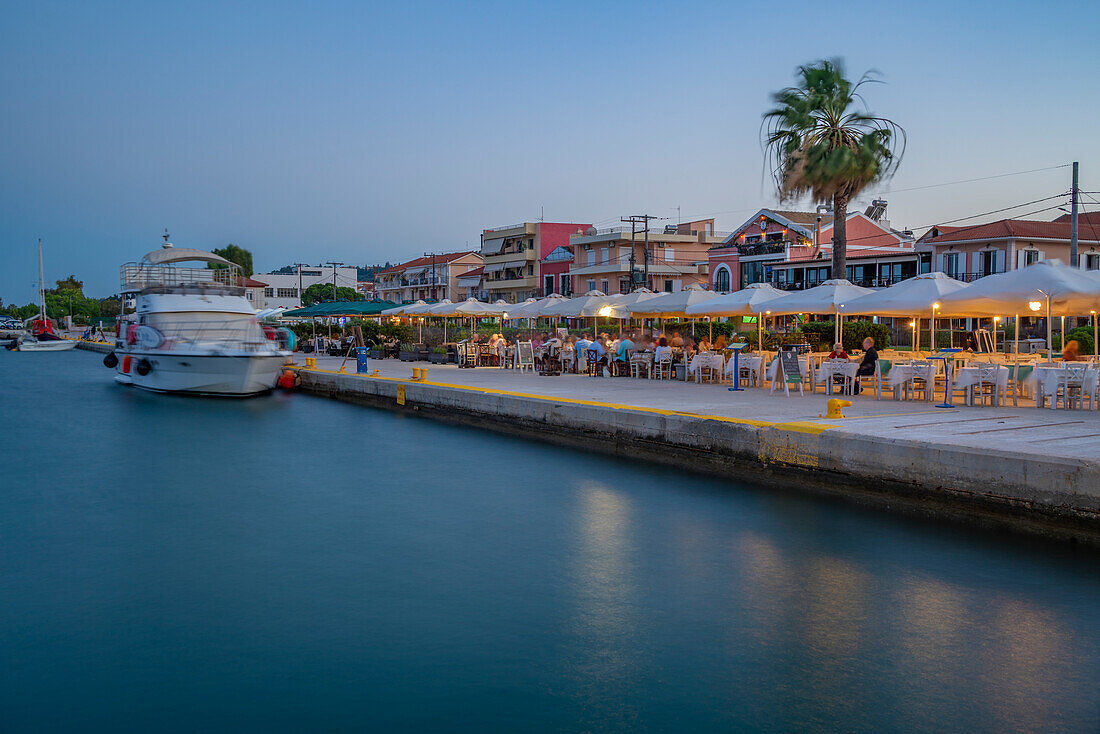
(972, 180)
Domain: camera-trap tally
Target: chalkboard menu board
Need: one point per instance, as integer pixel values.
(526, 354)
(792, 370)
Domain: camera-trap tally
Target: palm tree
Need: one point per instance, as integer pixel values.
(819, 143)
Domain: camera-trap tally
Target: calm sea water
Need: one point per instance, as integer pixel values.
(295, 564)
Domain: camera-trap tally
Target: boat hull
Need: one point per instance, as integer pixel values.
(230, 375)
(60, 345)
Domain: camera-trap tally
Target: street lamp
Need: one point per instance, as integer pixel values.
(932, 329)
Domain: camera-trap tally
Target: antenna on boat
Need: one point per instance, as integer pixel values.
(166, 244)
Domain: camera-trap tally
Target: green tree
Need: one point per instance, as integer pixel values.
(319, 292)
(818, 142)
(234, 254)
(68, 297)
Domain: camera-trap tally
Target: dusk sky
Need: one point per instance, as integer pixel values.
(369, 132)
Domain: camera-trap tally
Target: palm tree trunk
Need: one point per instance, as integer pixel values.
(840, 238)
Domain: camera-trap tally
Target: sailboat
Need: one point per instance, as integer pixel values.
(42, 337)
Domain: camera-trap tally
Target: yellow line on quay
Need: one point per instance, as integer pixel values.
(795, 426)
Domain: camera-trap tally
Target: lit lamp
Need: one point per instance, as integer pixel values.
(1034, 305)
(932, 329)
(995, 320)
(1095, 341)
(913, 326)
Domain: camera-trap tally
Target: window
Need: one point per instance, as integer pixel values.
(591, 257)
(989, 262)
(670, 254)
(269, 292)
(603, 286)
(722, 282)
(547, 284)
(530, 268)
(951, 264)
(1092, 262)
(605, 257)
(774, 237)
(565, 288)
(284, 292)
(668, 286)
(591, 285)
(314, 273)
(248, 295)
(1031, 256)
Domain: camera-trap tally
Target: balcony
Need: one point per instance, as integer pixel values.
(510, 282)
(763, 248)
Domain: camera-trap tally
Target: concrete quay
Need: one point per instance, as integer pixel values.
(1030, 469)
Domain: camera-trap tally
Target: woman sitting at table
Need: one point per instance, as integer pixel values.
(867, 364)
(838, 352)
(704, 345)
(720, 343)
(662, 348)
(1070, 352)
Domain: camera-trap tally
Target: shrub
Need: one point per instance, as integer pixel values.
(1082, 335)
(856, 331)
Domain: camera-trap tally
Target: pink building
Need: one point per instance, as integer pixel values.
(514, 256)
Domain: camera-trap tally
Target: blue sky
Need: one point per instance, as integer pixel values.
(364, 132)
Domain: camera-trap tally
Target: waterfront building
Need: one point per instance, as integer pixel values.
(513, 257)
(792, 250)
(430, 277)
(973, 251)
(555, 271)
(468, 285)
(284, 289)
(254, 291)
(607, 261)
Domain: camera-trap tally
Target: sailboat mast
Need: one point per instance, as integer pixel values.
(41, 287)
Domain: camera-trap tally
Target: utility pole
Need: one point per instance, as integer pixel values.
(1074, 193)
(635, 220)
(334, 263)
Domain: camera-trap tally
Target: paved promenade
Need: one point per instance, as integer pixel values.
(1023, 430)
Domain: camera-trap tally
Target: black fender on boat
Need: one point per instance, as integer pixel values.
(143, 367)
(110, 361)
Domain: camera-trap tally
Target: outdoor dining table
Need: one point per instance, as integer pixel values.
(706, 360)
(901, 374)
(966, 378)
(829, 368)
(751, 363)
(1045, 379)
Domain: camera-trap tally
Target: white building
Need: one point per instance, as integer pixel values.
(283, 289)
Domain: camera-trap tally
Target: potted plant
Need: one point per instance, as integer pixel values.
(438, 355)
(376, 351)
(406, 352)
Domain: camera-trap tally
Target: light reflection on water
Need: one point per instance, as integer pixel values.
(298, 564)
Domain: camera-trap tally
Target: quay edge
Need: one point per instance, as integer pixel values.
(1052, 497)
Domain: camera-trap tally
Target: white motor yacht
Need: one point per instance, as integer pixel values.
(193, 330)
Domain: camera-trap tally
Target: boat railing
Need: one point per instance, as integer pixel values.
(139, 276)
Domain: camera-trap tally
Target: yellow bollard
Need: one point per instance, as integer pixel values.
(343, 369)
(376, 373)
(835, 404)
(311, 363)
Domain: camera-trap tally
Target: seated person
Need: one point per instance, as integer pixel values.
(662, 348)
(720, 343)
(1070, 352)
(867, 364)
(676, 340)
(704, 345)
(623, 349)
(600, 347)
(838, 352)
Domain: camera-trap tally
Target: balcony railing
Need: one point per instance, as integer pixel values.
(763, 248)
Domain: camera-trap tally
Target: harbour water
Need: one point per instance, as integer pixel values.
(290, 563)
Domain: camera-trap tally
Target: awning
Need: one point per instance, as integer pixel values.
(494, 267)
(515, 263)
(415, 272)
(492, 246)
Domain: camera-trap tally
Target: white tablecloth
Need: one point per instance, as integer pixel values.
(751, 362)
(1045, 377)
(968, 377)
(828, 368)
(713, 361)
(901, 373)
